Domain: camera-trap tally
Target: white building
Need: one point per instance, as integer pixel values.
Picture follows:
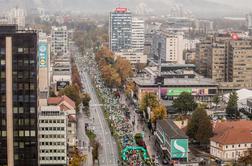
(231, 139)
(190, 44)
(17, 16)
(132, 56)
(137, 41)
(243, 96)
(52, 136)
(170, 45)
(60, 41)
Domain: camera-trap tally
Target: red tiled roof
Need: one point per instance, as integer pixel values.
(58, 100)
(233, 132)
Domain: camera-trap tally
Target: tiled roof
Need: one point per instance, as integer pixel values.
(233, 132)
(59, 100)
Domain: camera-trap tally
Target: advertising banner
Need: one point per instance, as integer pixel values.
(42, 54)
(179, 148)
(62, 85)
(178, 91)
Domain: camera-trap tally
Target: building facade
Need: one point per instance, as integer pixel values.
(133, 57)
(52, 136)
(17, 16)
(60, 42)
(227, 59)
(170, 46)
(18, 97)
(138, 37)
(120, 29)
(171, 142)
(231, 140)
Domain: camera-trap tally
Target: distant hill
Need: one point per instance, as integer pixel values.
(202, 8)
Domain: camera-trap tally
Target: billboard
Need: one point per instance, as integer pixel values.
(200, 92)
(62, 84)
(178, 91)
(42, 54)
(179, 148)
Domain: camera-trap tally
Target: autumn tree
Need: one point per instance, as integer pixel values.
(77, 158)
(129, 87)
(158, 113)
(184, 103)
(123, 68)
(232, 106)
(76, 76)
(148, 100)
(199, 126)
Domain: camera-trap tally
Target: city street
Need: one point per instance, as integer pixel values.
(108, 155)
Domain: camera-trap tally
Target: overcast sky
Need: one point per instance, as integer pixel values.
(238, 3)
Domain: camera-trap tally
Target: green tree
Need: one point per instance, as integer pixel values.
(199, 126)
(232, 106)
(184, 103)
(73, 92)
(216, 100)
(148, 100)
(246, 159)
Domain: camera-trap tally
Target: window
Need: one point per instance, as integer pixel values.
(3, 133)
(21, 133)
(21, 144)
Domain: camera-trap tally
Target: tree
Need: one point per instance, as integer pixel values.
(184, 103)
(77, 158)
(158, 113)
(216, 100)
(246, 159)
(73, 92)
(85, 98)
(148, 100)
(199, 126)
(232, 106)
(123, 68)
(129, 87)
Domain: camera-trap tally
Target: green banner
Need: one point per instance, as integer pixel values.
(178, 91)
(179, 148)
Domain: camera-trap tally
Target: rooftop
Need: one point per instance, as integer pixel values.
(175, 81)
(233, 132)
(242, 94)
(171, 129)
(59, 100)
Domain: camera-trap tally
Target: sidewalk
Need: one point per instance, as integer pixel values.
(141, 128)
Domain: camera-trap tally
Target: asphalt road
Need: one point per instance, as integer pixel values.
(108, 155)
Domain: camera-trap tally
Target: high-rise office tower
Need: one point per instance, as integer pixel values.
(120, 29)
(137, 41)
(18, 97)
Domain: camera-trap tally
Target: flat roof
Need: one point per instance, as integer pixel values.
(176, 81)
(171, 129)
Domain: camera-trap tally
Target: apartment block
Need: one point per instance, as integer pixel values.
(52, 135)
